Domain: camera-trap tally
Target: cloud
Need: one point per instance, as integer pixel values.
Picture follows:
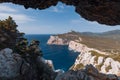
(7, 11)
(81, 21)
(59, 8)
(62, 6)
(19, 18)
(4, 8)
(76, 21)
(55, 9)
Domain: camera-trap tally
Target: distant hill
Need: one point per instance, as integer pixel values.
(114, 34)
(106, 41)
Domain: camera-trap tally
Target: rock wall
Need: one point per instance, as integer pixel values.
(77, 46)
(104, 62)
(9, 63)
(102, 11)
(89, 73)
(14, 67)
(55, 40)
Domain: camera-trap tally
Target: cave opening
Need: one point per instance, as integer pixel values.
(55, 20)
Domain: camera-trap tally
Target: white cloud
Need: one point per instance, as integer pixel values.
(19, 18)
(81, 21)
(62, 6)
(59, 8)
(56, 10)
(4, 8)
(6, 11)
(76, 21)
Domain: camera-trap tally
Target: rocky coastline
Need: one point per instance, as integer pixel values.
(21, 60)
(55, 40)
(104, 62)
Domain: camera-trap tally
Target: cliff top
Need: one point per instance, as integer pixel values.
(106, 41)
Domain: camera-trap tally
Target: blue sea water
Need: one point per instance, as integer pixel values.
(60, 55)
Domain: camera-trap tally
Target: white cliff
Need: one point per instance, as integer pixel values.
(57, 41)
(104, 62)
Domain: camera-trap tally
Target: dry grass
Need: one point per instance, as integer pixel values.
(79, 66)
(101, 43)
(104, 44)
(115, 57)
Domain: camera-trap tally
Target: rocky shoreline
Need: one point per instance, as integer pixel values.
(105, 62)
(21, 60)
(55, 40)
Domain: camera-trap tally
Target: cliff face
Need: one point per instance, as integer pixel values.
(78, 47)
(104, 62)
(89, 73)
(64, 39)
(56, 40)
(25, 62)
(14, 67)
(106, 41)
(20, 60)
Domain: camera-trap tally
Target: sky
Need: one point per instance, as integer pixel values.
(54, 20)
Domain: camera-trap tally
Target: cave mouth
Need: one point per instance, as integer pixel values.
(32, 20)
(104, 12)
(57, 19)
(53, 20)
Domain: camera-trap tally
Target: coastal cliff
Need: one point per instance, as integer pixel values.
(63, 39)
(95, 49)
(105, 62)
(56, 40)
(21, 60)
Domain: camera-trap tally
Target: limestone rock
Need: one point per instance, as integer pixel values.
(57, 41)
(14, 67)
(76, 46)
(89, 73)
(104, 62)
(9, 63)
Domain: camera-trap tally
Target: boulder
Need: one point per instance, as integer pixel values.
(89, 73)
(9, 63)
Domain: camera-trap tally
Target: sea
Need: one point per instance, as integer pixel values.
(62, 57)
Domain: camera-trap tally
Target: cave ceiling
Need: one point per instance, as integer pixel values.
(103, 11)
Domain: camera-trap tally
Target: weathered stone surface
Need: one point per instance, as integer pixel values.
(102, 11)
(104, 62)
(89, 73)
(9, 63)
(14, 67)
(56, 40)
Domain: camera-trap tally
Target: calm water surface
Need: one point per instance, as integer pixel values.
(60, 55)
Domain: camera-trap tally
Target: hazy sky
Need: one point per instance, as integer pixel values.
(58, 19)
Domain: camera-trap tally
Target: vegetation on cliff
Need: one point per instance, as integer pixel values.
(30, 53)
(9, 35)
(115, 57)
(101, 41)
